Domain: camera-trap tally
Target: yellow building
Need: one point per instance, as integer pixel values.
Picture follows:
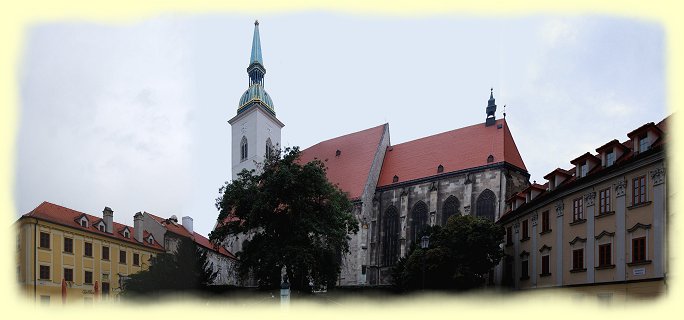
(599, 228)
(89, 254)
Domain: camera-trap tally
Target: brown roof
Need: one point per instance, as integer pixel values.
(68, 217)
(204, 242)
(455, 150)
(584, 157)
(195, 237)
(350, 170)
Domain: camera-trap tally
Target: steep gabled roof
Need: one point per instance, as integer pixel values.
(350, 169)
(68, 217)
(455, 150)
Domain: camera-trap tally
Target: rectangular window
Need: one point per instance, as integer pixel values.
(584, 168)
(68, 245)
(105, 253)
(525, 230)
(639, 249)
(604, 255)
(68, 274)
(643, 143)
(88, 277)
(122, 256)
(88, 249)
(639, 190)
(509, 236)
(604, 201)
(545, 221)
(524, 269)
(577, 209)
(578, 259)
(136, 259)
(44, 272)
(45, 240)
(545, 265)
(610, 158)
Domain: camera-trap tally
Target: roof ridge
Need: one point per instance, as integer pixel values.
(443, 132)
(345, 135)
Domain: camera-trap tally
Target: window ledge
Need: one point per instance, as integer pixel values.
(45, 249)
(69, 253)
(578, 270)
(524, 278)
(609, 266)
(89, 257)
(105, 259)
(643, 204)
(605, 214)
(524, 239)
(545, 274)
(579, 221)
(545, 232)
(639, 263)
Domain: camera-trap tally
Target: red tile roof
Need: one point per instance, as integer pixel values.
(458, 149)
(68, 217)
(202, 241)
(350, 170)
(585, 156)
(195, 237)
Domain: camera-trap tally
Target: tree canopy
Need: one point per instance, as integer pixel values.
(459, 257)
(294, 218)
(186, 269)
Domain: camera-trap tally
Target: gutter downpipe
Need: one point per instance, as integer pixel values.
(35, 262)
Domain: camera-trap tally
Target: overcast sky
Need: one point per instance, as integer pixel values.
(134, 116)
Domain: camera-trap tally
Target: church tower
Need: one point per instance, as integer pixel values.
(255, 128)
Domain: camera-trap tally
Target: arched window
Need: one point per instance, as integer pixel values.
(269, 148)
(485, 204)
(418, 221)
(390, 241)
(243, 149)
(450, 208)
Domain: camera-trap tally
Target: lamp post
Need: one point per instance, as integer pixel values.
(424, 244)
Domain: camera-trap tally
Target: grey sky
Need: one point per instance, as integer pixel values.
(134, 116)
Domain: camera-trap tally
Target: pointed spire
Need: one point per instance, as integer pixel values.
(491, 109)
(256, 68)
(256, 45)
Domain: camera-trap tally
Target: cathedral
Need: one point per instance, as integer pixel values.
(397, 190)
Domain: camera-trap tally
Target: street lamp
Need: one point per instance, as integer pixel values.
(424, 244)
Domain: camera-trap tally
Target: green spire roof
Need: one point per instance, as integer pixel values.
(256, 45)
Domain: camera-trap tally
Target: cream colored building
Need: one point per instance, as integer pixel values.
(599, 228)
(92, 255)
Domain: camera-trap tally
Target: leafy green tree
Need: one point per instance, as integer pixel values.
(186, 269)
(459, 257)
(295, 217)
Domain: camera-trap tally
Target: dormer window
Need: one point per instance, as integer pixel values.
(338, 153)
(126, 234)
(584, 168)
(83, 222)
(101, 226)
(150, 239)
(440, 168)
(395, 179)
(490, 159)
(610, 158)
(643, 143)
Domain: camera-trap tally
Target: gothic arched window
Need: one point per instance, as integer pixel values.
(390, 241)
(269, 148)
(243, 149)
(450, 208)
(485, 204)
(418, 221)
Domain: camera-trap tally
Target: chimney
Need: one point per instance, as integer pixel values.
(187, 224)
(108, 217)
(138, 226)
